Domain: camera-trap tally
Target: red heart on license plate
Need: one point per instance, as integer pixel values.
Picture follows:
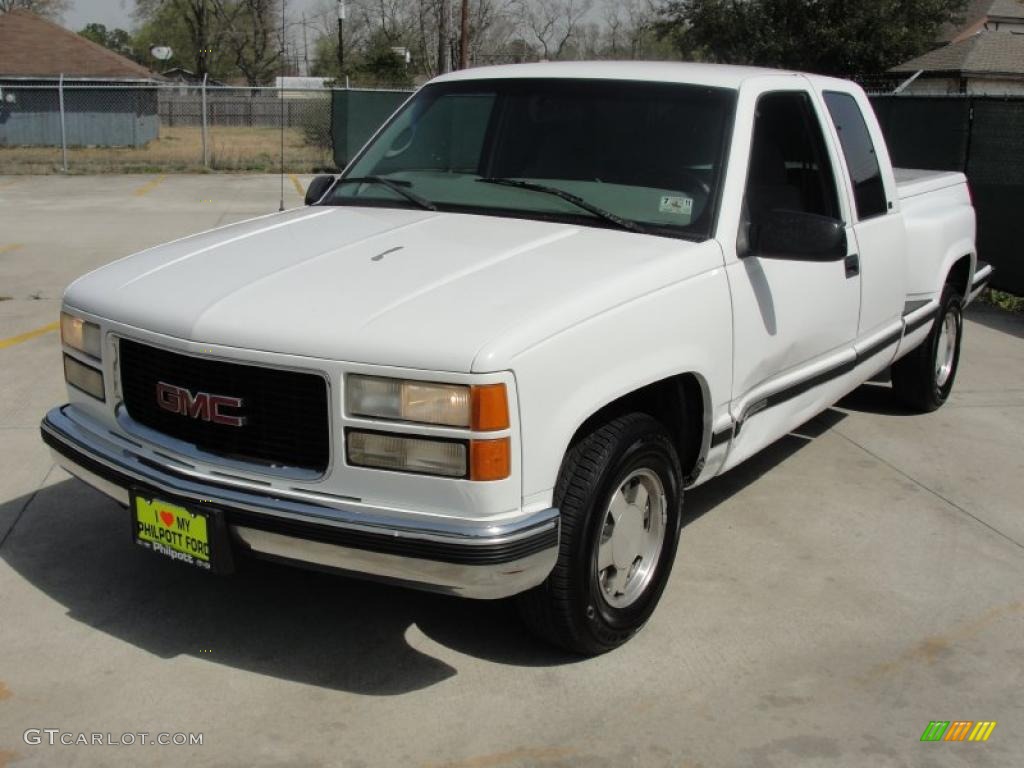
(167, 517)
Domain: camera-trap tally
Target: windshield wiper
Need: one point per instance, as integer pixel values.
(397, 187)
(579, 202)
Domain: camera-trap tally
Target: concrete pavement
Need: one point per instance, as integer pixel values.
(833, 595)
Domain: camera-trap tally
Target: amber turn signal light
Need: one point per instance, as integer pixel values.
(490, 408)
(490, 459)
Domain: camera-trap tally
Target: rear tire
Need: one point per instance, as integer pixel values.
(620, 497)
(924, 378)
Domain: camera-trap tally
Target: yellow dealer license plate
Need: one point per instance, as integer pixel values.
(173, 531)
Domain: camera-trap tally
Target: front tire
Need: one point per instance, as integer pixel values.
(924, 378)
(620, 497)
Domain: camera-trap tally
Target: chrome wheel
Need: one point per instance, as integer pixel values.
(945, 348)
(631, 539)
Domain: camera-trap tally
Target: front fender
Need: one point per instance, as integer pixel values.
(685, 327)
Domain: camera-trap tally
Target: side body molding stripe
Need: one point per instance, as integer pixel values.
(800, 387)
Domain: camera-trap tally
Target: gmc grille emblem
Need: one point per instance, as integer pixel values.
(201, 405)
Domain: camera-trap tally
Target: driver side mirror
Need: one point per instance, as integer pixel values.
(318, 188)
(799, 236)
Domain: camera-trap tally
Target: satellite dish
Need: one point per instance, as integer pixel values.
(161, 52)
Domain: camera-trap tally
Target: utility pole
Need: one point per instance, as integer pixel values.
(464, 37)
(305, 45)
(341, 38)
(442, 37)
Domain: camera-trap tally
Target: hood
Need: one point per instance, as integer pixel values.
(382, 285)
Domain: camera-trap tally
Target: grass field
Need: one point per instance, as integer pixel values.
(179, 149)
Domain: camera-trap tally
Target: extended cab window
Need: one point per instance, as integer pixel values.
(650, 154)
(789, 166)
(859, 151)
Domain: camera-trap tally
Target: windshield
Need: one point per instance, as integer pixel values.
(648, 154)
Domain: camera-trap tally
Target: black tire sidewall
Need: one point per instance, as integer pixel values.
(951, 303)
(648, 449)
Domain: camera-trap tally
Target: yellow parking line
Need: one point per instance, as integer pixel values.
(28, 335)
(298, 184)
(11, 247)
(148, 187)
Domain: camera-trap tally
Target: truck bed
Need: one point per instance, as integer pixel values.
(939, 219)
(911, 182)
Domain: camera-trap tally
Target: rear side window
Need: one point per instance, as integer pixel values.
(868, 189)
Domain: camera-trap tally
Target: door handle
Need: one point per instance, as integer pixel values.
(852, 263)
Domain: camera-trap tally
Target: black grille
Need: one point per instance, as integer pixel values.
(286, 416)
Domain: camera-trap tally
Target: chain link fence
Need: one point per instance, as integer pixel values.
(80, 127)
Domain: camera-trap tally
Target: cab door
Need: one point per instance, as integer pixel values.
(881, 235)
(795, 319)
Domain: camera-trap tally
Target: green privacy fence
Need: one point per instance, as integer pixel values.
(982, 136)
(355, 117)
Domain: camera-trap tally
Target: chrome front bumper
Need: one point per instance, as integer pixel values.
(471, 558)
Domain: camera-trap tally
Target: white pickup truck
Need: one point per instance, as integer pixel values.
(488, 358)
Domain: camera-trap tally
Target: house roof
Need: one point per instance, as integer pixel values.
(990, 53)
(31, 46)
(977, 13)
(187, 76)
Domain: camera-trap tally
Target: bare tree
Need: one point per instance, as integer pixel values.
(324, 24)
(499, 30)
(552, 23)
(252, 31)
(493, 25)
(429, 35)
(641, 16)
(52, 9)
(588, 43)
(615, 25)
(389, 17)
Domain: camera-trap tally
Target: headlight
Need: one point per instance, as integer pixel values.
(81, 335)
(83, 377)
(481, 408)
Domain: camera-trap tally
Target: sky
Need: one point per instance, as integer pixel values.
(118, 13)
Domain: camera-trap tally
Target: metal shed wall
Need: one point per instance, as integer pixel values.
(94, 115)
